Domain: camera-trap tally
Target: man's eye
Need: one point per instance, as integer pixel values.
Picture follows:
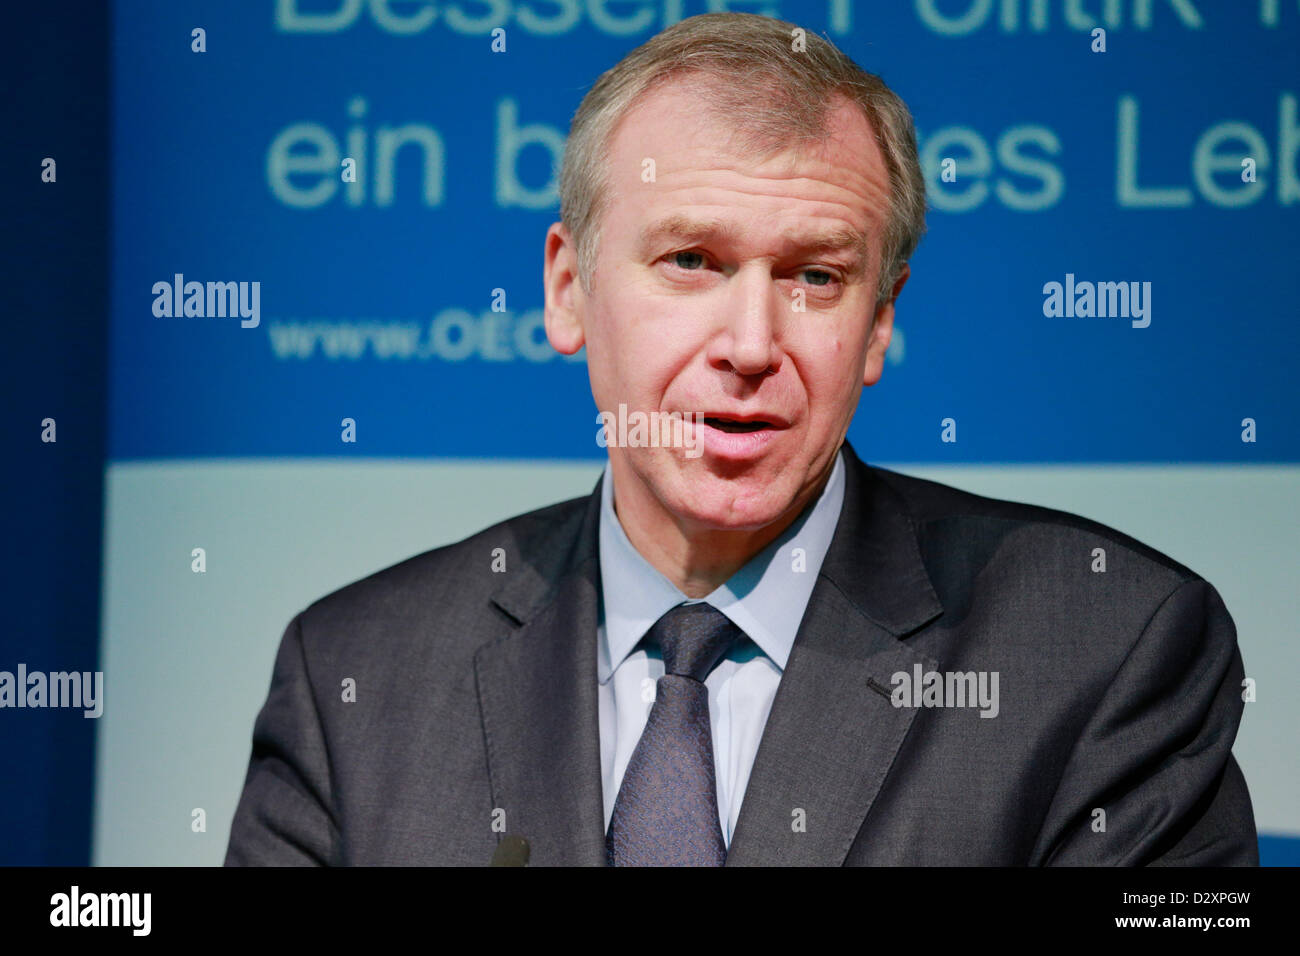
(693, 261)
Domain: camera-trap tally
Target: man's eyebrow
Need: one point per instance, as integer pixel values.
(684, 229)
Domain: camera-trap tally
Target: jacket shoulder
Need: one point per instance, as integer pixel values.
(941, 511)
(444, 581)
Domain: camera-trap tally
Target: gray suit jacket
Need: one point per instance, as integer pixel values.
(476, 707)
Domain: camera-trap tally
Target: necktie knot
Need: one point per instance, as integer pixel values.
(693, 638)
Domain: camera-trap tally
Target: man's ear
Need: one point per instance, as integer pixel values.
(882, 330)
(564, 296)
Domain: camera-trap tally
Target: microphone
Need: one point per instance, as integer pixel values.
(511, 851)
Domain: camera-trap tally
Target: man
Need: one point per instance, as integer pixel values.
(747, 646)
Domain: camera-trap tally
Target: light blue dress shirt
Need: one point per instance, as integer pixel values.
(766, 599)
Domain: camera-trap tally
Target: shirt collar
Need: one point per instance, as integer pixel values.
(766, 598)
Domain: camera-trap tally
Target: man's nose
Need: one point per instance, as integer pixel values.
(754, 315)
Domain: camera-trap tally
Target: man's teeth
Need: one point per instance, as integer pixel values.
(727, 425)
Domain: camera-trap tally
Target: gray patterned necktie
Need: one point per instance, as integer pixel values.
(666, 812)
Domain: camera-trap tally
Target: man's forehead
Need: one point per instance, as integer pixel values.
(668, 157)
(679, 119)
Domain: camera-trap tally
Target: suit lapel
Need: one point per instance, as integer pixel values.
(831, 737)
(537, 696)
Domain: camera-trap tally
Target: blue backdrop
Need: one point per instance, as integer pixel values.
(376, 297)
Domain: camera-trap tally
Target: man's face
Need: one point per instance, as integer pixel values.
(719, 289)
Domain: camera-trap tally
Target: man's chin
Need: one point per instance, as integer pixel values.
(733, 505)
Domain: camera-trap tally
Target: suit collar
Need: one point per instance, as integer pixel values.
(830, 737)
(875, 556)
(548, 554)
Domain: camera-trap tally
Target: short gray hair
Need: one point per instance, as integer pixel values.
(774, 96)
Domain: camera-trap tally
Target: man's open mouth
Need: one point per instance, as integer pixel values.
(731, 425)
